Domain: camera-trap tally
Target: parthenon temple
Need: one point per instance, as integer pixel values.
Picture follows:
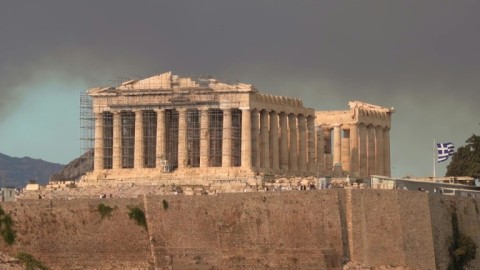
(197, 130)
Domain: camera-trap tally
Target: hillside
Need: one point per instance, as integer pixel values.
(19, 171)
(75, 168)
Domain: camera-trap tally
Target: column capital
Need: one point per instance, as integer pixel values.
(181, 109)
(273, 112)
(336, 125)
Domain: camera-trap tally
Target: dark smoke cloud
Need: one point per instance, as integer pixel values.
(418, 56)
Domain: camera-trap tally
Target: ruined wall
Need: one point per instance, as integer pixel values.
(274, 230)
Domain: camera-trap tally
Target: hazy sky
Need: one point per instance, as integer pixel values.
(421, 57)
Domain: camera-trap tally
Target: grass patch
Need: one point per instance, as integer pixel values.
(30, 262)
(138, 215)
(105, 210)
(6, 228)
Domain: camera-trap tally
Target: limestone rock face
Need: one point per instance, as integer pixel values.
(75, 169)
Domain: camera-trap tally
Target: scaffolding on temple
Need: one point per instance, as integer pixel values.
(87, 130)
(195, 133)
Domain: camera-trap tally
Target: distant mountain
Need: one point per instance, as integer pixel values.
(19, 171)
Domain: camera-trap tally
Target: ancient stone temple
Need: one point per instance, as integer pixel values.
(197, 130)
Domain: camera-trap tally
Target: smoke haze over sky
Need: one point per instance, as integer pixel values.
(421, 57)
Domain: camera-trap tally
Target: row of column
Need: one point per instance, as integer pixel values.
(364, 150)
(270, 140)
(283, 142)
(161, 139)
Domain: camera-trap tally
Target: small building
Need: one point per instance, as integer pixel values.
(8, 194)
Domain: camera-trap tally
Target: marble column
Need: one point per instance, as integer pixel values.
(293, 158)
(98, 150)
(182, 138)
(161, 138)
(346, 151)
(246, 138)
(274, 140)
(302, 144)
(337, 144)
(362, 148)
(264, 144)
(138, 160)
(320, 152)
(204, 138)
(370, 150)
(379, 151)
(256, 138)
(311, 143)
(283, 142)
(117, 140)
(386, 143)
(227, 138)
(354, 149)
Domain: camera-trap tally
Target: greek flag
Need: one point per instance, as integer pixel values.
(444, 150)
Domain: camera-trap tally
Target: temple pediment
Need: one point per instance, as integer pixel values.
(171, 82)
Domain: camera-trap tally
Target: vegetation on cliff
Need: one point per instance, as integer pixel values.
(165, 204)
(462, 250)
(138, 215)
(466, 160)
(105, 210)
(6, 227)
(30, 262)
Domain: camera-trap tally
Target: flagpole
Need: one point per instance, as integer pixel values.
(434, 145)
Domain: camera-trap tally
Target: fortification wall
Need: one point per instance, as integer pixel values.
(391, 227)
(69, 234)
(274, 230)
(280, 230)
(468, 215)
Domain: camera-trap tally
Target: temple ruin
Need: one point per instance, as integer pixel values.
(170, 129)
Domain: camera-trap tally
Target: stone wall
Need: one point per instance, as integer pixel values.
(254, 230)
(270, 230)
(467, 210)
(69, 234)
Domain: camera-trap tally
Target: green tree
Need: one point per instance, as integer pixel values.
(466, 160)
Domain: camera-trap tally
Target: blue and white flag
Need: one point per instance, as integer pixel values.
(444, 150)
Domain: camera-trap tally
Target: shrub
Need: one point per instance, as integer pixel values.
(138, 215)
(165, 204)
(462, 250)
(30, 262)
(105, 210)
(6, 230)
